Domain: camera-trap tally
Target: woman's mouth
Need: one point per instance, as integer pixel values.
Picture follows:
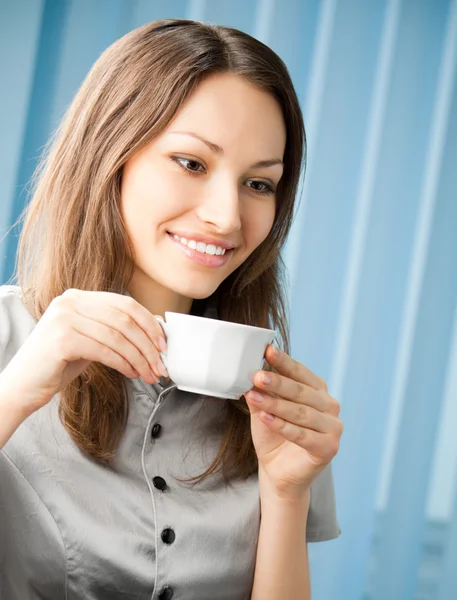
(208, 255)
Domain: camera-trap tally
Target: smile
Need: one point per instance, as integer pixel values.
(200, 246)
(207, 255)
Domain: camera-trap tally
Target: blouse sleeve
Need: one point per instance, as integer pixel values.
(5, 326)
(16, 323)
(322, 523)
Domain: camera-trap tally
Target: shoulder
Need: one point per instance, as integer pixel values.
(16, 323)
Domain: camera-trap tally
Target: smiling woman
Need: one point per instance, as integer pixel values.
(169, 186)
(229, 200)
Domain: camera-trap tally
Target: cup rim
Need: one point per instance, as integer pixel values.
(230, 323)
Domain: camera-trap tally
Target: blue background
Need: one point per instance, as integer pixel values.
(372, 257)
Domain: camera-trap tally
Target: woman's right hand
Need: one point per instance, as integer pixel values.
(77, 328)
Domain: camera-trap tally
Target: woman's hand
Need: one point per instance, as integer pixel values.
(295, 428)
(77, 328)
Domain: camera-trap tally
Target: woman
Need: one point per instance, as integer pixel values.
(170, 185)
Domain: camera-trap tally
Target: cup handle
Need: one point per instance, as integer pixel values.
(166, 330)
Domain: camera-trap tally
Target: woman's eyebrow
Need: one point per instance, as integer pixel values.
(218, 150)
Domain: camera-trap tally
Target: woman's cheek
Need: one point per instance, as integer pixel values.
(261, 221)
(179, 193)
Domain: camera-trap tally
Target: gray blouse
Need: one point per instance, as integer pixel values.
(73, 529)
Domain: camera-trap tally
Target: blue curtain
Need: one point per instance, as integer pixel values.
(372, 256)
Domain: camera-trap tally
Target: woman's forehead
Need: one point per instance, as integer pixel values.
(229, 111)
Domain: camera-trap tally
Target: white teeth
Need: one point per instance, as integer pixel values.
(200, 246)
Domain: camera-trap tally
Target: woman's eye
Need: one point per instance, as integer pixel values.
(261, 187)
(194, 167)
(189, 165)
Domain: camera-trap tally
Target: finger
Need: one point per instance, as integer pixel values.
(115, 341)
(297, 392)
(322, 447)
(89, 349)
(298, 414)
(124, 322)
(291, 368)
(144, 319)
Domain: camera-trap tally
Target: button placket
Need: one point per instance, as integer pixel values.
(167, 535)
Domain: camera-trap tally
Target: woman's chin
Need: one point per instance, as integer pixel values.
(196, 292)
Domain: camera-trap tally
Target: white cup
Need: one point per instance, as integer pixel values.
(212, 357)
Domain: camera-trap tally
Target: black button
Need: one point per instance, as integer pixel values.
(166, 593)
(160, 483)
(155, 432)
(168, 536)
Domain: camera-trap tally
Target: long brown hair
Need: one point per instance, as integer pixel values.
(74, 236)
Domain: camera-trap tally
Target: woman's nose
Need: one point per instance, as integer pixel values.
(220, 208)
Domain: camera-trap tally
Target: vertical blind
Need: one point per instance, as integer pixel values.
(371, 258)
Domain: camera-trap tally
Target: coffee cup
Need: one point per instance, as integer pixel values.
(212, 357)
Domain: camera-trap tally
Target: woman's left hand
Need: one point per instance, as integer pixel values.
(304, 434)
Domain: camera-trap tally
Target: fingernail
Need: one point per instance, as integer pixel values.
(161, 368)
(162, 344)
(275, 350)
(256, 396)
(266, 378)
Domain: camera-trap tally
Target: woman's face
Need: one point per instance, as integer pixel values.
(208, 179)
